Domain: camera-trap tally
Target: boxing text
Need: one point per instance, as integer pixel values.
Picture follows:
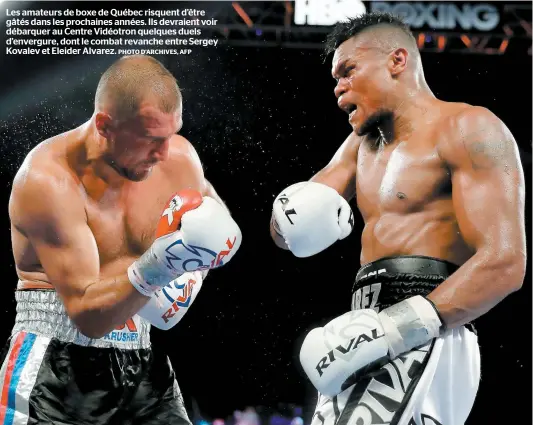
(341, 350)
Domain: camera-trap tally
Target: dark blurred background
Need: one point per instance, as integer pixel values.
(260, 110)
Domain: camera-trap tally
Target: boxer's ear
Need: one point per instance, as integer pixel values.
(103, 124)
(398, 61)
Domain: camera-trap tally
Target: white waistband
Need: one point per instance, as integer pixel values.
(42, 312)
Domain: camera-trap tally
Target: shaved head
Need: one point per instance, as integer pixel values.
(132, 81)
(138, 109)
(381, 33)
(385, 38)
(380, 30)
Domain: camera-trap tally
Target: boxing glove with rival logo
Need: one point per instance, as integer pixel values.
(310, 217)
(193, 233)
(334, 356)
(168, 305)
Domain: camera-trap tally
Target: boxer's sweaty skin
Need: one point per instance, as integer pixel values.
(430, 178)
(109, 223)
(122, 220)
(403, 191)
(452, 189)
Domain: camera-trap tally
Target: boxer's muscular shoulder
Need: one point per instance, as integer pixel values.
(349, 149)
(473, 133)
(181, 149)
(183, 161)
(43, 186)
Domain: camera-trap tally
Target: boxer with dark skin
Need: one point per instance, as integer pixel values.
(429, 177)
(440, 188)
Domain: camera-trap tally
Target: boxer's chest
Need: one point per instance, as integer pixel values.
(124, 223)
(400, 178)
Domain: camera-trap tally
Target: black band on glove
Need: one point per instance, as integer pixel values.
(443, 327)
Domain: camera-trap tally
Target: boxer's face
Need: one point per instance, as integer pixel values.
(137, 144)
(364, 84)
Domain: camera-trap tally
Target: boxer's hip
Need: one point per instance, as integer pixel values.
(41, 312)
(434, 383)
(387, 281)
(51, 373)
(44, 380)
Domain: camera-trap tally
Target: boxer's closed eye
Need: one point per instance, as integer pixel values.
(348, 70)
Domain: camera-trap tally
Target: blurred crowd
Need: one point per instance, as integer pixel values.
(283, 414)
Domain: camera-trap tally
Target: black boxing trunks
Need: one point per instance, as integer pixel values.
(52, 374)
(388, 281)
(435, 384)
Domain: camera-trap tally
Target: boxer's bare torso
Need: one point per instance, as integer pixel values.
(403, 190)
(121, 220)
(404, 194)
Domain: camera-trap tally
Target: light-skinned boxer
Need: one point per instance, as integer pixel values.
(114, 227)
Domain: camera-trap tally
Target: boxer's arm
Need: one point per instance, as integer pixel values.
(210, 191)
(338, 174)
(340, 171)
(168, 305)
(207, 188)
(488, 198)
(47, 209)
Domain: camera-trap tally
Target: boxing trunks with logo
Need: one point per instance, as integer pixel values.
(53, 374)
(435, 384)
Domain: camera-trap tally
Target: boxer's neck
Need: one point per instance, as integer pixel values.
(413, 109)
(96, 172)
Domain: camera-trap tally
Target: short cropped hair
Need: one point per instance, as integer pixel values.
(353, 26)
(133, 79)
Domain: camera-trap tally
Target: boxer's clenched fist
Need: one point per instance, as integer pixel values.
(194, 233)
(310, 217)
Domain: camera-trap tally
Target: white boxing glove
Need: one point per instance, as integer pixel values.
(168, 305)
(310, 217)
(331, 356)
(193, 233)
